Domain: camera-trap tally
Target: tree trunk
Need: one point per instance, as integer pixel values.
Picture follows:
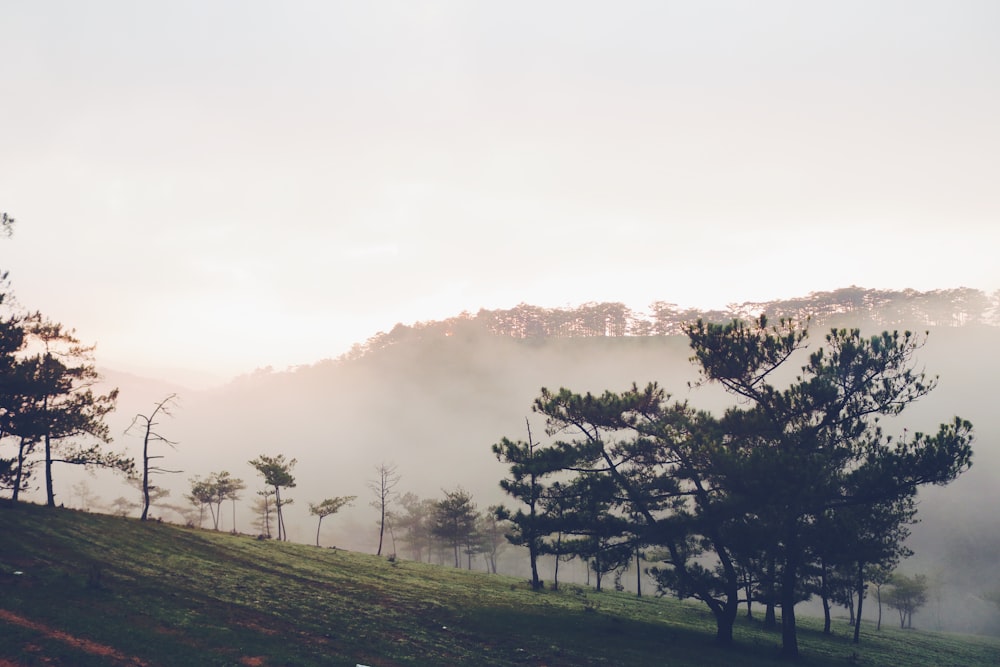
(861, 599)
(770, 618)
(50, 495)
(878, 596)
(145, 475)
(825, 597)
(20, 469)
(381, 527)
(277, 511)
(533, 556)
(638, 574)
(789, 636)
(725, 617)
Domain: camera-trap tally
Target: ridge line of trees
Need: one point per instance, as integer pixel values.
(881, 308)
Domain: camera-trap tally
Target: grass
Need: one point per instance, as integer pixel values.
(101, 590)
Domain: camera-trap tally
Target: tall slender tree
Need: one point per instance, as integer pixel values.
(527, 468)
(277, 473)
(147, 424)
(383, 488)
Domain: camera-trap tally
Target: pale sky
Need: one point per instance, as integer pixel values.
(214, 187)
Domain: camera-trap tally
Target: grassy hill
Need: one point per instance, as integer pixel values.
(87, 589)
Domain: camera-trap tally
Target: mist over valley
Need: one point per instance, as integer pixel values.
(433, 397)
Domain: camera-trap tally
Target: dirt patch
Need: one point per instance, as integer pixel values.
(84, 645)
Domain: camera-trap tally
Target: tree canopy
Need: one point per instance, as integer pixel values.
(740, 496)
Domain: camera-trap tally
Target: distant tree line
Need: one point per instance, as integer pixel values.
(794, 491)
(877, 308)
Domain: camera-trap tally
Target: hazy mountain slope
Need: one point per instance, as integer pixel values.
(432, 398)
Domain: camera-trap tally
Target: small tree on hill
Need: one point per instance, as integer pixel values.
(454, 522)
(906, 595)
(326, 508)
(264, 510)
(415, 522)
(202, 495)
(382, 488)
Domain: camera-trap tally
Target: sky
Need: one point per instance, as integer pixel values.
(203, 189)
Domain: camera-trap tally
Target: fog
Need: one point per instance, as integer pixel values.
(434, 404)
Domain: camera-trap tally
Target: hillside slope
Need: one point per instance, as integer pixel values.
(84, 589)
(433, 397)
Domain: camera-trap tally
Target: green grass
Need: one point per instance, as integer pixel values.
(162, 595)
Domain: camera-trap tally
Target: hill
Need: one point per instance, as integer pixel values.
(86, 589)
(432, 397)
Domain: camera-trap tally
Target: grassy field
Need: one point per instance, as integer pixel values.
(86, 589)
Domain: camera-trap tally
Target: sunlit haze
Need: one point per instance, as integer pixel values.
(207, 188)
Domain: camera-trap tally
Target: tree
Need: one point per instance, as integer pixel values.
(213, 491)
(491, 530)
(415, 522)
(203, 495)
(264, 509)
(122, 506)
(277, 473)
(87, 499)
(553, 518)
(14, 472)
(852, 545)
(524, 484)
(454, 522)
(62, 404)
(225, 487)
(156, 493)
(879, 577)
(383, 488)
(651, 463)
(821, 436)
(590, 527)
(719, 495)
(906, 595)
(326, 508)
(147, 424)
